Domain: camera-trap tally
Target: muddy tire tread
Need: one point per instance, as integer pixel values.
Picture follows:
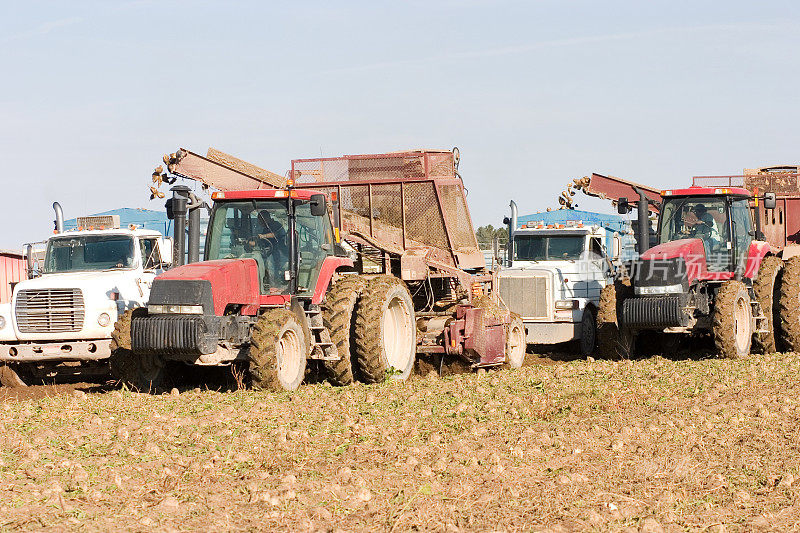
(723, 323)
(764, 289)
(338, 313)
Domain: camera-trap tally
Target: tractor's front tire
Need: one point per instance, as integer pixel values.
(613, 341)
(278, 352)
(386, 332)
(516, 342)
(338, 313)
(789, 305)
(767, 290)
(733, 320)
(144, 373)
(15, 375)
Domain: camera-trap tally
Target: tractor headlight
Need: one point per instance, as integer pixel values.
(155, 309)
(2, 322)
(104, 320)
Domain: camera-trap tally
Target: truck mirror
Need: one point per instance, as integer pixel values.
(770, 201)
(318, 205)
(165, 248)
(622, 206)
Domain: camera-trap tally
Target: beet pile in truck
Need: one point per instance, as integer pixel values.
(355, 265)
(725, 266)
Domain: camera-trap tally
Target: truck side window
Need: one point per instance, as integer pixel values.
(595, 247)
(151, 258)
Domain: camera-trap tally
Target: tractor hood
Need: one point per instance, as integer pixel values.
(212, 284)
(670, 267)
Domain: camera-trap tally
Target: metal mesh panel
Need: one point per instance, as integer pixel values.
(458, 221)
(424, 222)
(398, 166)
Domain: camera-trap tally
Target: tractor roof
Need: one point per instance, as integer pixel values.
(300, 194)
(707, 191)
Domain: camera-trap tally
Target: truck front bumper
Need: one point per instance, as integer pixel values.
(33, 352)
(551, 332)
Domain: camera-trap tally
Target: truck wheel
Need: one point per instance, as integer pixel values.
(14, 376)
(337, 313)
(613, 341)
(789, 305)
(733, 320)
(143, 373)
(516, 344)
(588, 331)
(386, 333)
(767, 290)
(278, 352)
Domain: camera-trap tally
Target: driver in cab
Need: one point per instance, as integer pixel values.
(702, 225)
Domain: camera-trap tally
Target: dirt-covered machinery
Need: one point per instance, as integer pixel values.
(358, 264)
(724, 267)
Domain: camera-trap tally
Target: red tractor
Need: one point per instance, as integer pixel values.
(374, 262)
(711, 273)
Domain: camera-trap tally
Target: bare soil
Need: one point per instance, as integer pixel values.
(648, 445)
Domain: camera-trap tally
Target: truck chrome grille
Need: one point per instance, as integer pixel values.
(50, 310)
(526, 295)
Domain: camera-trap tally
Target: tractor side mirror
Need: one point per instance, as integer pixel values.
(318, 205)
(769, 200)
(623, 207)
(506, 221)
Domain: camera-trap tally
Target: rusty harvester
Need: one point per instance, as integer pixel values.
(356, 263)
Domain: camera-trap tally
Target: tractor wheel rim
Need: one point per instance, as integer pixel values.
(515, 348)
(397, 333)
(741, 320)
(289, 356)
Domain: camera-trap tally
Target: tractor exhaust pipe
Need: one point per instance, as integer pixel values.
(512, 225)
(59, 221)
(643, 225)
(177, 208)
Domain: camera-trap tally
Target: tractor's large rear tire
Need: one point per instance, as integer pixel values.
(144, 373)
(338, 314)
(516, 342)
(385, 333)
(733, 320)
(15, 375)
(767, 290)
(614, 341)
(789, 305)
(278, 352)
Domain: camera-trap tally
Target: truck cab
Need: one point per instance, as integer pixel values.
(66, 312)
(555, 276)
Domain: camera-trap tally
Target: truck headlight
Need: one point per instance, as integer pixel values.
(104, 320)
(2, 322)
(563, 305)
(175, 309)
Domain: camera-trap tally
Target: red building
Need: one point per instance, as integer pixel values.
(13, 268)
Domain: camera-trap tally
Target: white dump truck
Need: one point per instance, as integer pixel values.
(60, 320)
(557, 266)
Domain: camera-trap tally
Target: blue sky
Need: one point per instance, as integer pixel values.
(534, 93)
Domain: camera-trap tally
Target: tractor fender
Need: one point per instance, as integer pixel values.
(330, 265)
(755, 254)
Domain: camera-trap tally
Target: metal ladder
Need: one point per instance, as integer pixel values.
(322, 347)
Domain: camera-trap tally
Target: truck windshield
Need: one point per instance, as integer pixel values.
(544, 247)
(79, 253)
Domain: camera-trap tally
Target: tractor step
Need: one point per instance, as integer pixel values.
(322, 348)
